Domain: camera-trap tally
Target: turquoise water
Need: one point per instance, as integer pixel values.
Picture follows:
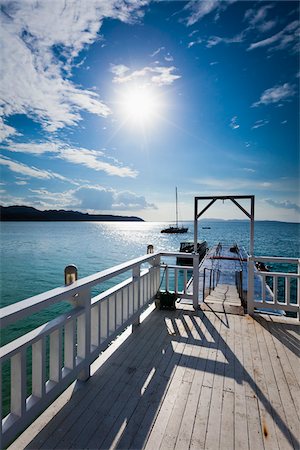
(34, 255)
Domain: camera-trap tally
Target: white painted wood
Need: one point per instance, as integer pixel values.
(287, 290)
(263, 288)
(167, 278)
(125, 304)
(55, 356)
(18, 384)
(112, 314)
(275, 288)
(95, 317)
(119, 309)
(69, 345)
(184, 281)
(130, 300)
(103, 320)
(38, 368)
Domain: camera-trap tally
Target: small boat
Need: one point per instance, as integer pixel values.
(206, 228)
(176, 229)
(188, 247)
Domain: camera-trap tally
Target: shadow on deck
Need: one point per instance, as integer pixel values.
(185, 379)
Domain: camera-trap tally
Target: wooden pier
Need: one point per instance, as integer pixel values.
(182, 380)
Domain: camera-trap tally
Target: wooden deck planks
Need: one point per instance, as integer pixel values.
(187, 380)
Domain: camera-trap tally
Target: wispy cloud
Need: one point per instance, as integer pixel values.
(257, 18)
(276, 94)
(288, 37)
(90, 159)
(93, 159)
(286, 204)
(240, 184)
(233, 123)
(156, 52)
(260, 123)
(36, 81)
(247, 169)
(95, 199)
(216, 40)
(158, 75)
(198, 10)
(30, 171)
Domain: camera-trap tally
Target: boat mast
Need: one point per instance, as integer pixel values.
(176, 208)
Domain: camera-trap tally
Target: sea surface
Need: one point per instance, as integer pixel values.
(34, 255)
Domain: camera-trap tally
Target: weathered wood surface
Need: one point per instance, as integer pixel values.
(185, 380)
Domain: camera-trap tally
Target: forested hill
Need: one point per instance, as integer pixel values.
(29, 214)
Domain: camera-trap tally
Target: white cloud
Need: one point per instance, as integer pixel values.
(233, 184)
(216, 40)
(198, 10)
(35, 77)
(6, 130)
(74, 155)
(247, 169)
(31, 172)
(158, 75)
(192, 43)
(257, 18)
(233, 123)
(89, 158)
(227, 185)
(156, 52)
(287, 37)
(260, 123)
(276, 94)
(94, 199)
(285, 204)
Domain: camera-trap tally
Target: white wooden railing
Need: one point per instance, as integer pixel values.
(271, 298)
(75, 339)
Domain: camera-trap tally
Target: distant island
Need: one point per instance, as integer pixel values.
(29, 214)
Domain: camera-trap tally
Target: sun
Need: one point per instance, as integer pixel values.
(139, 105)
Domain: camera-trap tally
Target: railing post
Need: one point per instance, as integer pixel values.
(155, 278)
(250, 291)
(298, 290)
(136, 289)
(84, 333)
(195, 280)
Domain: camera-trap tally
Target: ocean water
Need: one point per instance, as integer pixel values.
(34, 255)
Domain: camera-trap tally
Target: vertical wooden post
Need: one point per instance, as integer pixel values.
(250, 291)
(195, 279)
(298, 290)
(84, 333)
(69, 341)
(38, 368)
(136, 281)
(55, 357)
(18, 384)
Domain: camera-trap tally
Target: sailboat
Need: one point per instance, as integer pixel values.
(175, 229)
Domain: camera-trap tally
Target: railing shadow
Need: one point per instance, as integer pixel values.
(118, 406)
(282, 333)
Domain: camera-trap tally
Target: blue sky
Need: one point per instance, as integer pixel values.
(107, 105)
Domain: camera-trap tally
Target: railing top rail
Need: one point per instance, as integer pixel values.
(278, 274)
(26, 307)
(177, 266)
(183, 254)
(276, 259)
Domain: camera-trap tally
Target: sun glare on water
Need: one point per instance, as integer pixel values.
(139, 105)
